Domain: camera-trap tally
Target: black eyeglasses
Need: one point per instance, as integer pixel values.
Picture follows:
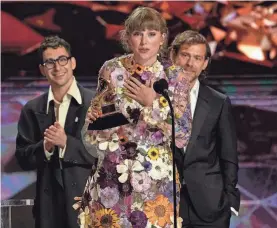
(62, 61)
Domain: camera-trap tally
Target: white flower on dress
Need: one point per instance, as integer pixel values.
(141, 182)
(170, 174)
(159, 169)
(148, 116)
(118, 76)
(95, 191)
(138, 205)
(128, 167)
(140, 157)
(112, 144)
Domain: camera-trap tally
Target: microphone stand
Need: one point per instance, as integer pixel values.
(173, 157)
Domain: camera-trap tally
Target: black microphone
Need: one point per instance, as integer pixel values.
(161, 87)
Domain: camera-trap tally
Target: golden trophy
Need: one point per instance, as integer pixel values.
(105, 103)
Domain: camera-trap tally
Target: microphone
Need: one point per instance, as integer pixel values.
(161, 87)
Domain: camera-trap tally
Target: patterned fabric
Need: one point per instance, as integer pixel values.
(133, 182)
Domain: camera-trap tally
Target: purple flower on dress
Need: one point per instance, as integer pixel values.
(156, 114)
(146, 75)
(140, 129)
(141, 182)
(167, 191)
(109, 196)
(149, 195)
(108, 176)
(184, 121)
(129, 150)
(172, 83)
(114, 157)
(138, 77)
(133, 113)
(166, 63)
(125, 189)
(147, 165)
(138, 219)
(157, 138)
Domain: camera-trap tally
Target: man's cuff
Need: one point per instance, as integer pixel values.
(234, 212)
(48, 154)
(62, 151)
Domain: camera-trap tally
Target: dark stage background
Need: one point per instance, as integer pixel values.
(243, 37)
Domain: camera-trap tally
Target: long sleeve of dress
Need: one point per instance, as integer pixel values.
(90, 137)
(158, 115)
(110, 87)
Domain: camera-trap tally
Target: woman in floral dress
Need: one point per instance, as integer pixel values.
(132, 185)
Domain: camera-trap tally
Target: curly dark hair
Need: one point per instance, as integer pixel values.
(54, 42)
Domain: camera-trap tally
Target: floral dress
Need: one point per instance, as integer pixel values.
(132, 185)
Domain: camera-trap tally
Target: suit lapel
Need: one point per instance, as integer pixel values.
(44, 120)
(201, 110)
(76, 114)
(73, 117)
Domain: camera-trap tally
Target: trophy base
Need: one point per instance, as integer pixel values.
(109, 121)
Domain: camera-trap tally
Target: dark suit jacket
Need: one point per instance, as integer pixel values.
(77, 163)
(209, 166)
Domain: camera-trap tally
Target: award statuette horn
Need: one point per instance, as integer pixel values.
(104, 102)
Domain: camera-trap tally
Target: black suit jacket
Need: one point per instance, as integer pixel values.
(209, 165)
(77, 163)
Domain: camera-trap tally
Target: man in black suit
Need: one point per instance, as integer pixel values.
(208, 166)
(49, 138)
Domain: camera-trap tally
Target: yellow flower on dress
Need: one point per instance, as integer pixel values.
(153, 153)
(178, 115)
(159, 210)
(172, 67)
(139, 69)
(85, 218)
(163, 102)
(120, 90)
(132, 71)
(106, 218)
(157, 67)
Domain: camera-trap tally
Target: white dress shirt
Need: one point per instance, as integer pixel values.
(193, 100)
(61, 109)
(193, 97)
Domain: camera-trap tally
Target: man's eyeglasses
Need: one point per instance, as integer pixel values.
(62, 61)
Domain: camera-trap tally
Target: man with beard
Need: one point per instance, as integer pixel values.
(208, 166)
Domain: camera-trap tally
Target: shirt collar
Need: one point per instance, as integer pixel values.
(72, 92)
(195, 89)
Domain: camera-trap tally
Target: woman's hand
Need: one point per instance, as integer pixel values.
(144, 94)
(92, 115)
